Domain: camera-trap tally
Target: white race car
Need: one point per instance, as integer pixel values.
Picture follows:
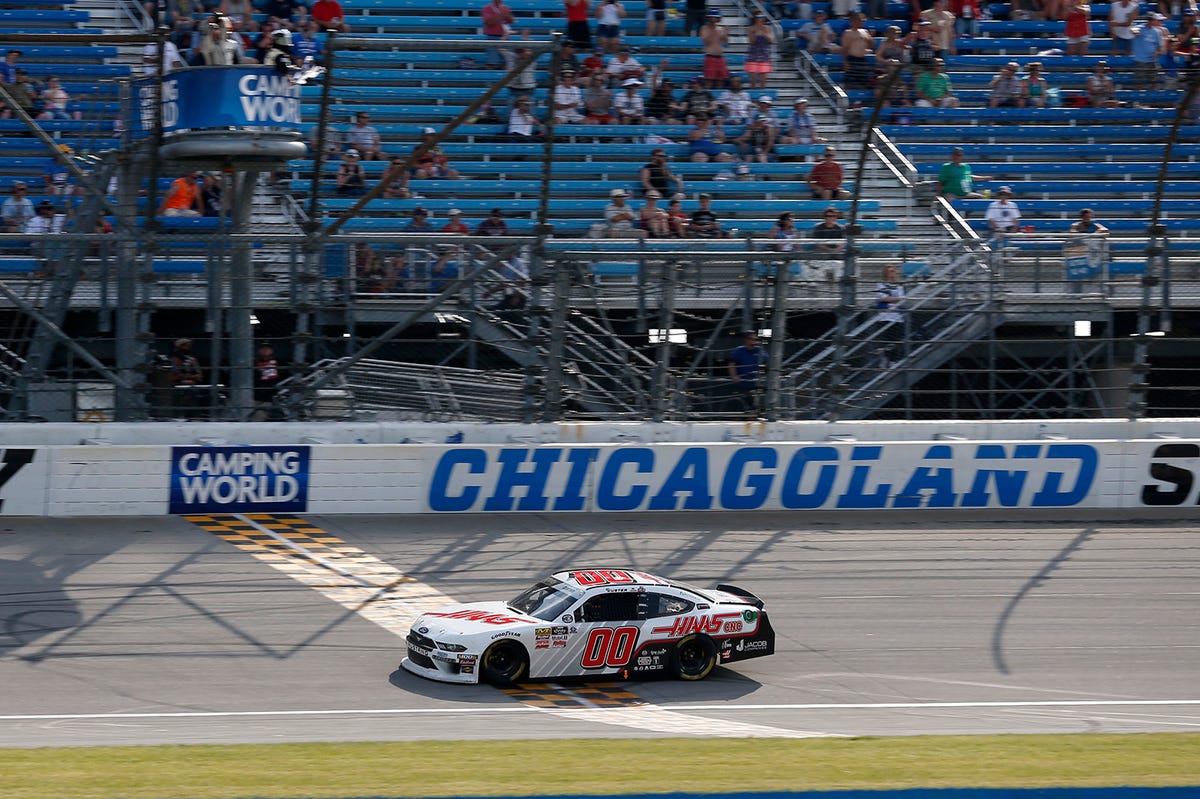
(591, 622)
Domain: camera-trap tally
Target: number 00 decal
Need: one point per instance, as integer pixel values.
(607, 646)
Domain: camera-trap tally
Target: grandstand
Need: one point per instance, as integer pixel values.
(605, 327)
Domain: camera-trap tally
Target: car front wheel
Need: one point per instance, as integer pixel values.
(504, 663)
(694, 657)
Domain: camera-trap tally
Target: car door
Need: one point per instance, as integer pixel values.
(608, 631)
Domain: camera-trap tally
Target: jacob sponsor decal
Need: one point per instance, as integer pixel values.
(239, 479)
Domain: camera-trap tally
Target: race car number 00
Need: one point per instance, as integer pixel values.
(607, 646)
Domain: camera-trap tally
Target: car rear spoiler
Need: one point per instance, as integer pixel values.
(743, 593)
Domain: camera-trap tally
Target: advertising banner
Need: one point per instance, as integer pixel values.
(197, 98)
(239, 479)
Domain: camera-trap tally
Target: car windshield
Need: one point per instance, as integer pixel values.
(546, 600)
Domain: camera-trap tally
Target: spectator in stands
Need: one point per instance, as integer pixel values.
(1101, 90)
(800, 127)
(857, 45)
(764, 108)
(494, 225)
(1121, 16)
(286, 11)
(56, 101)
(654, 219)
(1187, 35)
(825, 178)
(609, 14)
(889, 296)
(677, 218)
(830, 234)
(622, 67)
(309, 42)
(892, 47)
(171, 59)
(567, 58)
(1086, 224)
(760, 46)
(593, 64)
(735, 103)
(217, 47)
(58, 178)
(364, 137)
(922, 48)
(444, 270)
(1149, 46)
(746, 363)
(785, 233)
(1003, 216)
(397, 187)
(941, 20)
(185, 367)
(8, 67)
(578, 30)
(706, 140)
(1079, 27)
(598, 100)
(24, 94)
(369, 268)
(704, 223)
(966, 16)
(715, 37)
(656, 18)
(497, 23)
(695, 15)
(619, 216)
(933, 88)
(522, 124)
(628, 103)
(210, 194)
(266, 381)
(657, 175)
(1004, 91)
(568, 100)
(757, 142)
(17, 209)
(817, 35)
(897, 91)
(456, 224)
(183, 196)
(661, 107)
(433, 164)
(330, 14)
(697, 100)
(1034, 89)
(351, 180)
(955, 179)
(419, 223)
(524, 83)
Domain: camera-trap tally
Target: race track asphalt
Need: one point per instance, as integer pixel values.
(154, 630)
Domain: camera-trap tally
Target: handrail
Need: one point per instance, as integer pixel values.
(833, 94)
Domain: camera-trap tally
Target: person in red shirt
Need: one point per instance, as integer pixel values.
(329, 13)
(578, 30)
(825, 179)
(456, 225)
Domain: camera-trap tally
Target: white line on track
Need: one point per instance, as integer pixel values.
(715, 708)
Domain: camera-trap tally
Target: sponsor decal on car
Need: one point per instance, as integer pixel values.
(751, 646)
(560, 630)
(481, 616)
(651, 658)
(749, 615)
(686, 625)
(542, 631)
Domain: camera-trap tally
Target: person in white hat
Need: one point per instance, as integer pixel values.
(764, 108)
(351, 180)
(628, 103)
(364, 138)
(618, 214)
(433, 164)
(1003, 216)
(456, 225)
(1149, 46)
(800, 127)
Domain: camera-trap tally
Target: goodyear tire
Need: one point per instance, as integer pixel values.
(504, 663)
(694, 657)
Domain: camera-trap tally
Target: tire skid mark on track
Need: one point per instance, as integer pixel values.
(381, 593)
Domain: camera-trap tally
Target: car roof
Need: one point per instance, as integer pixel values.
(608, 576)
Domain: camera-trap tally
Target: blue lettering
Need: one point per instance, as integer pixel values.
(925, 478)
(572, 497)
(854, 496)
(690, 476)
(642, 459)
(439, 499)
(512, 476)
(789, 491)
(1050, 495)
(1008, 484)
(759, 484)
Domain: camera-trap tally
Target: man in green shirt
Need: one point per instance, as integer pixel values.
(933, 87)
(955, 181)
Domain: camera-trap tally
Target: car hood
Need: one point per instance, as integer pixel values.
(474, 618)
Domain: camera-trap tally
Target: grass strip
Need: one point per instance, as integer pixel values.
(598, 766)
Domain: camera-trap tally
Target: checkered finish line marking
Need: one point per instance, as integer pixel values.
(344, 573)
(381, 593)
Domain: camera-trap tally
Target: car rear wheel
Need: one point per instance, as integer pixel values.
(504, 663)
(694, 657)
